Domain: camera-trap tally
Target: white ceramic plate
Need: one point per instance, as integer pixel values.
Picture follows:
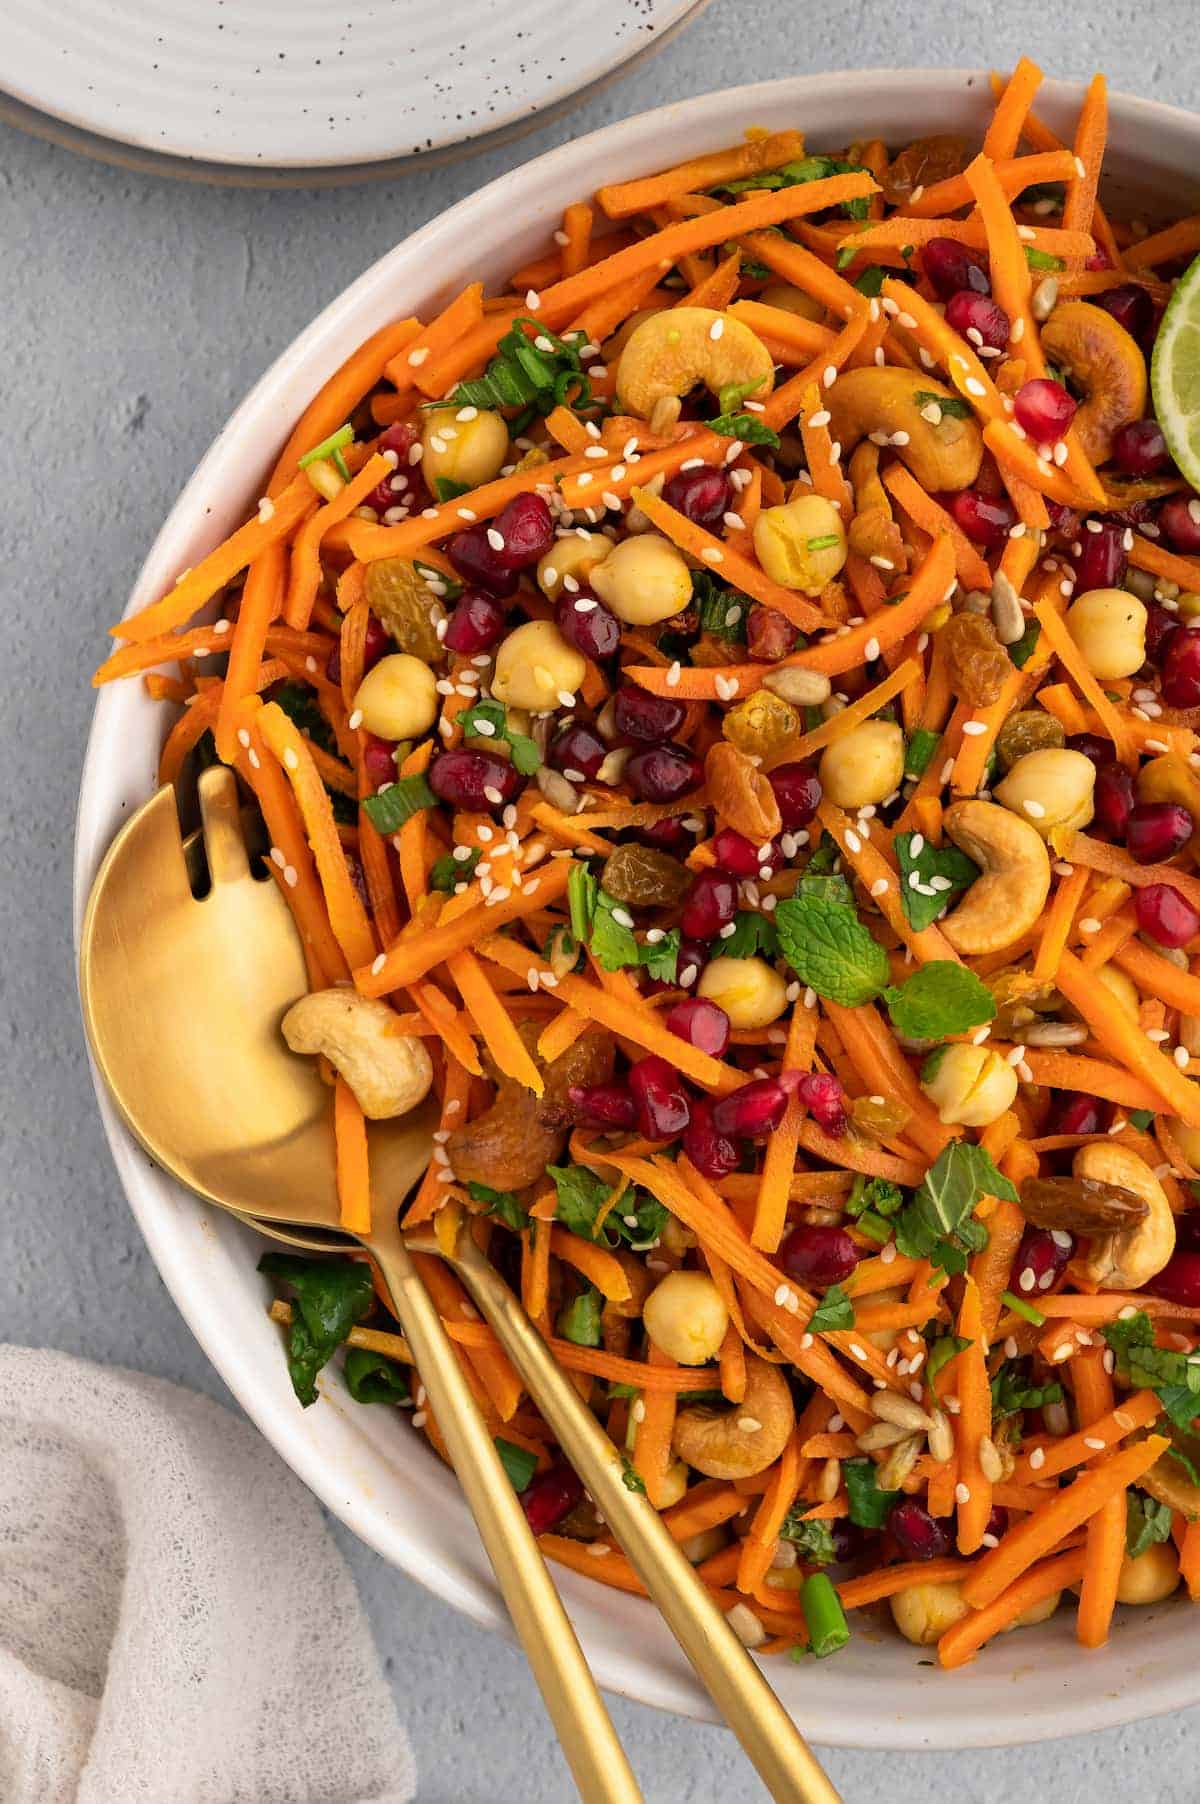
(366, 1464)
(300, 84)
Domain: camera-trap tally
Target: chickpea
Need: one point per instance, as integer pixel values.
(969, 1085)
(469, 451)
(792, 300)
(571, 556)
(1109, 627)
(398, 699)
(1029, 1619)
(1121, 988)
(535, 667)
(1188, 1138)
(923, 1613)
(686, 1318)
(865, 766)
(801, 544)
(644, 580)
(1050, 788)
(751, 991)
(1151, 1577)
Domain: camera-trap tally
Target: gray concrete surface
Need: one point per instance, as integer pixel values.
(135, 313)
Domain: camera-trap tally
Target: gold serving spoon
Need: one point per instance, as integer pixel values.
(182, 998)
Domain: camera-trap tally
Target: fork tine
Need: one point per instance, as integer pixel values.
(220, 814)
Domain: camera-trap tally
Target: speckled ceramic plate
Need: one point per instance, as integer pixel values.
(300, 84)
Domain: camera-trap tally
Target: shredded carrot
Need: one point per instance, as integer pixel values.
(494, 1023)
(1009, 120)
(973, 1423)
(1106, 1530)
(418, 950)
(624, 199)
(770, 1214)
(732, 566)
(1014, 174)
(353, 1173)
(1124, 1039)
(652, 1439)
(972, 569)
(963, 1641)
(1079, 206)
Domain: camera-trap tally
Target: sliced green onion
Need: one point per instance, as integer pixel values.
(517, 1462)
(388, 810)
(874, 1226)
(823, 1613)
(343, 436)
(1020, 1307)
(824, 542)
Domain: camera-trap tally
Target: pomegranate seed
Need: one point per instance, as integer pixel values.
(820, 1256)
(753, 1111)
(693, 956)
(1093, 746)
(661, 1106)
(669, 835)
(1102, 558)
(1181, 524)
(1064, 520)
(527, 527)
(917, 1534)
(1041, 1257)
(997, 1522)
(701, 1023)
(1157, 830)
(734, 852)
(797, 789)
(1158, 624)
(770, 635)
(404, 486)
(1130, 306)
(602, 1105)
(377, 643)
(702, 495)
(478, 564)
(1075, 1112)
(1112, 799)
(1044, 409)
(592, 629)
(577, 751)
(978, 318)
(1179, 1282)
(549, 1496)
(1180, 663)
(1187, 1231)
(986, 519)
(1165, 914)
(663, 773)
(476, 623)
(378, 761)
(823, 1097)
(710, 906)
(400, 438)
(462, 778)
(713, 1154)
(951, 266)
(1140, 449)
(646, 719)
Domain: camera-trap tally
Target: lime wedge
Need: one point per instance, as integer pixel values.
(1175, 374)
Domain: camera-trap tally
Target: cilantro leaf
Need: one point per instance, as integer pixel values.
(747, 427)
(1147, 1522)
(374, 1378)
(829, 949)
(638, 1218)
(824, 860)
(330, 1297)
(870, 280)
(941, 1210)
(397, 802)
(752, 934)
(631, 1478)
(661, 957)
(813, 1539)
(502, 1204)
(722, 610)
(580, 1320)
(939, 999)
(1012, 1391)
(1173, 1377)
(869, 1506)
(518, 1462)
(488, 720)
(942, 873)
(593, 924)
(611, 941)
(835, 1310)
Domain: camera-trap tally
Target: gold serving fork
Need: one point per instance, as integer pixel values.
(182, 999)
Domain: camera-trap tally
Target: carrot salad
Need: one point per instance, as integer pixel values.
(724, 716)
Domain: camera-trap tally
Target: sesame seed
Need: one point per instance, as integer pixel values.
(417, 358)
(973, 728)
(1180, 1055)
(1037, 1459)
(1089, 924)
(962, 1492)
(974, 386)
(822, 418)
(880, 887)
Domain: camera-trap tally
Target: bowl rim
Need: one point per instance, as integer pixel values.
(263, 417)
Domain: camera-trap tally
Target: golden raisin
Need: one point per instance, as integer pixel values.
(762, 724)
(398, 597)
(1029, 730)
(880, 1120)
(921, 164)
(644, 877)
(976, 661)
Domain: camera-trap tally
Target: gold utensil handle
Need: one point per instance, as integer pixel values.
(784, 1761)
(594, 1755)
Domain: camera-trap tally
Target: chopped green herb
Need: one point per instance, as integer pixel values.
(829, 949)
(942, 1209)
(580, 1320)
(952, 406)
(500, 1203)
(518, 1462)
(869, 1506)
(1023, 648)
(746, 427)
(870, 281)
(397, 802)
(374, 1378)
(721, 610)
(753, 935)
(327, 447)
(835, 1310)
(1147, 1522)
(919, 755)
(824, 1617)
(942, 874)
(1141, 1119)
(731, 396)
(539, 372)
(943, 1350)
(301, 707)
(833, 888)
(1042, 259)
(824, 542)
(488, 720)
(449, 870)
(876, 1194)
(631, 1478)
(1173, 1377)
(1020, 1307)
(330, 1297)
(813, 1539)
(638, 1219)
(1012, 1392)
(446, 489)
(939, 999)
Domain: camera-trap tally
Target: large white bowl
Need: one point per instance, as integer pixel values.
(365, 1464)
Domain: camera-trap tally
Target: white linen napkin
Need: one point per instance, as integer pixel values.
(176, 1625)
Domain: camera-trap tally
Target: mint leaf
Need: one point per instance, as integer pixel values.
(833, 888)
(941, 1209)
(1147, 1522)
(502, 1204)
(939, 999)
(374, 1378)
(942, 873)
(330, 1297)
(1013, 1392)
(835, 1310)
(518, 1462)
(1173, 1377)
(398, 802)
(580, 1320)
(638, 1218)
(919, 755)
(813, 1539)
(752, 934)
(829, 949)
(869, 1506)
(488, 720)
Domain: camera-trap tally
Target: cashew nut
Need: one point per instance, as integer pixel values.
(389, 1073)
(679, 346)
(744, 1439)
(1005, 901)
(1103, 362)
(942, 454)
(1128, 1258)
